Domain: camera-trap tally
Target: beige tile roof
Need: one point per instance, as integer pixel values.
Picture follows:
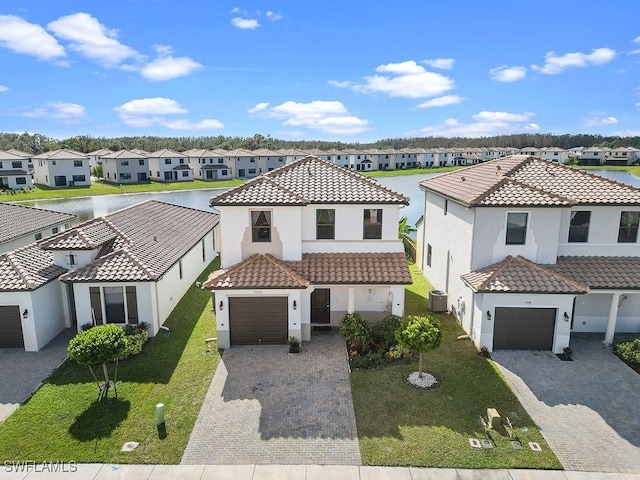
(165, 153)
(257, 271)
(518, 180)
(18, 220)
(137, 243)
(62, 154)
(519, 275)
(27, 268)
(20, 153)
(265, 271)
(4, 155)
(600, 272)
(124, 154)
(309, 180)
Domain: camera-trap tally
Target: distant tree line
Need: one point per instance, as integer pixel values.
(36, 143)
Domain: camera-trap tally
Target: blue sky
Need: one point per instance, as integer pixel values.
(329, 70)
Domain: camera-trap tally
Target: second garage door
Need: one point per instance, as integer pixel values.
(11, 327)
(258, 320)
(524, 328)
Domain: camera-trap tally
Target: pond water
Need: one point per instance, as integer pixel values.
(88, 207)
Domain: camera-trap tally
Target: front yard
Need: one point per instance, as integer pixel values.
(64, 421)
(399, 424)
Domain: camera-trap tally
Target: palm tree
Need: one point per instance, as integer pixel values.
(404, 233)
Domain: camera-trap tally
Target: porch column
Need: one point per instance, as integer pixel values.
(351, 302)
(613, 317)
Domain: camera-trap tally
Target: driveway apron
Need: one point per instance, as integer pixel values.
(266, 406)
(588, 410)
(21, 373)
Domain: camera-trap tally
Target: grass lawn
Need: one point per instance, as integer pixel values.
(399, 424)
(100, 188)
(408, 171)
(64, 421)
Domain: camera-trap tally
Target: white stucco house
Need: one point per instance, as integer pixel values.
(208, 164)
(130, 266)
(14, 171)
(125, 166)
(167, 165)
(95, 157)
(23, 225)
(62, 168)
(529, 251)
(303, 245)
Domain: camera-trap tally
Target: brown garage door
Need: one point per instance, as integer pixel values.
(10, 327)
(258, 320)
(524, 328)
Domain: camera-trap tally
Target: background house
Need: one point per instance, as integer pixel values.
(303, 245)
(529, 251)
(62, 168)
(130, 266)
(14, 171)
(169, 166)
(125, 166)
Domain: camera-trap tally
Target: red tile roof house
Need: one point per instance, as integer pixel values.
(303, 245)
(530, 251)
(130, 266)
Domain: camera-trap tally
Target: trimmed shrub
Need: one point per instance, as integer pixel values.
(135, 342)
(383, 332)
(354, 327)
(628, 351)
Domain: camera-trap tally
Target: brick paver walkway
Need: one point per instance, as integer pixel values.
(588, 409)
(21, 372)
(266, 406)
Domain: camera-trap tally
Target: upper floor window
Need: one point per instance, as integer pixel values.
(16, 164)
(167, 161)
(372, 224)
(261, 226)
(77, 163)
(628, 231)
(124, 163)
(141, 161)
(325, 224)
(579, 226)
(516, 228)
(429, 255)
(446, 206)
(182, 161)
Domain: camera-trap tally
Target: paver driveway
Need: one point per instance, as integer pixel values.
(266, 406)
(588, 409)
(21, 373)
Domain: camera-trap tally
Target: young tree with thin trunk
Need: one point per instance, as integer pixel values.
(419, 335)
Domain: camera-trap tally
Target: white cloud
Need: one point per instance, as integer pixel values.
(441, 63)
(405, 79)
(244, 23)
(20, 36)
(341, 84)
(239, 10)
(146, 112)
(486, 124)
(599, 121)
(508, 74)
(637, 39)
(638, 105)
(330, 117)
(67, 112)
(634, 52)
(259, 107)
(3, 88)
(273, 16)
(442, 101)
(92, 39)
(167, 67)
(555, 64)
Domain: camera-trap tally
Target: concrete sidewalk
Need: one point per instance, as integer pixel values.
(286, 472)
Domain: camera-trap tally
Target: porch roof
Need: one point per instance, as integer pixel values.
(519, 275)
(600, 273)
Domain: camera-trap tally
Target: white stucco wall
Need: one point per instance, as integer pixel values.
(30, 238)
(12, 180)
(483, 335)
(541, 244)
(603, 233)
(592, 312)
(46, 174)
(235, 234)
(113, 167)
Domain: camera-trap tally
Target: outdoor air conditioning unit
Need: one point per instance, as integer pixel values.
(438, 301)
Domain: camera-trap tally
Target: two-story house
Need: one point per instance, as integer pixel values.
(62, 168)
(130, 266)
(303, 245)
(529, 250)
(268, 159)
(208, 164)
(170, 166)
(14, 171)
(125, 166)
(23, 225)
(95, 157)
(27, 156)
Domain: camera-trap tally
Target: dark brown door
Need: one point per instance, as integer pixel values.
(11, 327)
(321, 305)
(524, 328)
(258, 320)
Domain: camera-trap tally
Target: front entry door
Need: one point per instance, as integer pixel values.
(321, 305)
